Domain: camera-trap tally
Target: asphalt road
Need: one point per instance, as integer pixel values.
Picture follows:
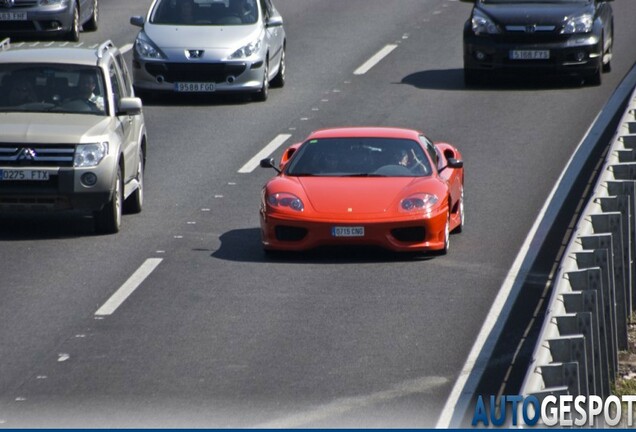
(218, 335)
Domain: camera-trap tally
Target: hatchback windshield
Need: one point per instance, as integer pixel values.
(353, 157)
(205, 12)
(51, 88)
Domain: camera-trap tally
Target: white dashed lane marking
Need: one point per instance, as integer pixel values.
(366, 66)
(128, 287)
(267, 150)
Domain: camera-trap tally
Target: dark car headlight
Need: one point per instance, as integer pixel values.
(482, 24)
(578, 24)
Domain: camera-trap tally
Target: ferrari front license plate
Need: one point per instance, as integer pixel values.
(26, 175)
(342, 231)
(194, 87)
(529, 55)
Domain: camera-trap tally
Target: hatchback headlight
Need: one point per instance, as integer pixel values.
(285, 200)
(146, 49)
(247, 51)
(90, 155)
(419, 202)
(53, 2)
(579, 24)
(483, 24)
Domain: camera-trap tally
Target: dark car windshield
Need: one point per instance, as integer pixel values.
(359, 157)
(205, 12)
(59, 88)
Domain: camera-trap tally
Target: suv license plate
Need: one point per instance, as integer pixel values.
(25, 175)
(342, 231)
(529, 55)
(13, 16)
(194, 87)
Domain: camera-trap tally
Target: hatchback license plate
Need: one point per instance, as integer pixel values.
(530, 55)
(24, 175)
(342, 231)
(195, 87)
(13, 16)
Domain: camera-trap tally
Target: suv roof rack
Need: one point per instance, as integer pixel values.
(104, 47)
(5, 44)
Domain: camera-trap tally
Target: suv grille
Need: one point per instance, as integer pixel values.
(188, 72)
(20, 155)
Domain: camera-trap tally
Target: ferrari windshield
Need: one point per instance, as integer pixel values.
(56, 88)
(205, 12)
(359, 157)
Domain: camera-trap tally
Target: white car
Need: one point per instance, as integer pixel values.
(206, 46)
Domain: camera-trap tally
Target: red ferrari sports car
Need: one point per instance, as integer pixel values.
(379, 186)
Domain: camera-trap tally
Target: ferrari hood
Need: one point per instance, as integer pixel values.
(354, 195)
(52, 128)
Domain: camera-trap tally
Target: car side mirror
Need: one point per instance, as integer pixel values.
(137, 21)
(269, 163)
(452, 163)
(274, 21)
(129, 106)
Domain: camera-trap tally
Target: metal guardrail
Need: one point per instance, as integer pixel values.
(594, 296)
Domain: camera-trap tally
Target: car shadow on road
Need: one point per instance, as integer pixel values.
(453, 80)
(177, 99)
(244, 245)
(45, 227)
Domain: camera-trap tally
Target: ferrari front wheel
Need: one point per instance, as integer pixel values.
(444, 250)
(460, 209)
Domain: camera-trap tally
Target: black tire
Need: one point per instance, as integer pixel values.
(108, 219)
(607, 67)
(91, 24)
(263, 93)
(279, 79)
(595, 78)
(74, 33)
(135, 202)
(460, 227)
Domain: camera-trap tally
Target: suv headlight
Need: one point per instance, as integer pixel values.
(146, 49)
(579, 24)
(483, 24)
(90, 155)
(247, 51)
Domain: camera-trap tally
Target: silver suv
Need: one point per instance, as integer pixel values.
(46, 18)
(73, 134)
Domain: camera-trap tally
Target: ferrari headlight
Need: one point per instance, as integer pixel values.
(283, 200)
(483, 24)
(90, 155)
(248, 50)
(578, 24)
(146, 49)
(419, 202)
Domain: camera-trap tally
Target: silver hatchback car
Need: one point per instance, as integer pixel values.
(206, 46)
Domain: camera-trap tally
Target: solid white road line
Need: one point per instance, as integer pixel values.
(129, 287)
(347, 404)
(267, 150)
(375, 59)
